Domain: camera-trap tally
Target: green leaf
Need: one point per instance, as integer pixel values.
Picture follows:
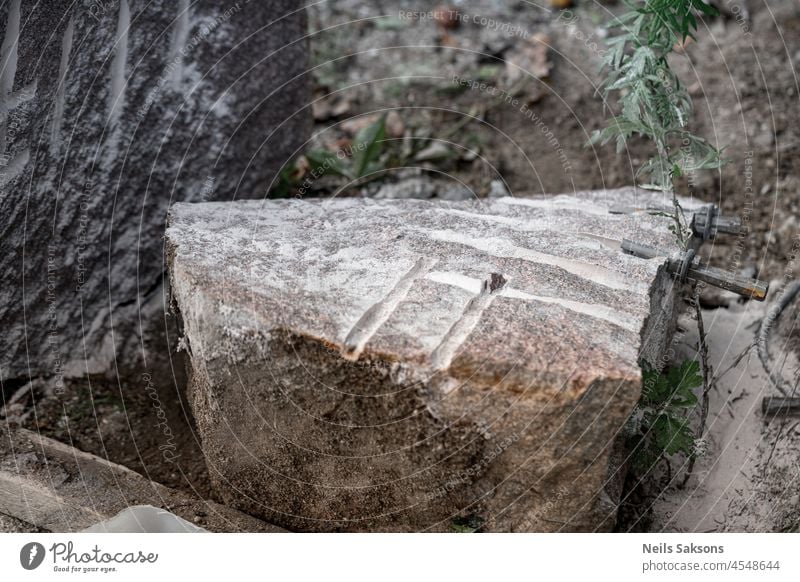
(665, 402)
(705, 8)
(389, 23)
(367, 146)
(324, 161)
(468, 524)
(284, 184)
(672, 435)
(687, 376)
(692, 20)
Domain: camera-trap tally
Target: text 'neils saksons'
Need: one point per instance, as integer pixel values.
(681, 549)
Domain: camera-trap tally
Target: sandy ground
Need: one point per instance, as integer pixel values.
(749, 479)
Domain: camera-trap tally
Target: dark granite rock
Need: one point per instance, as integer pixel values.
(110, 110)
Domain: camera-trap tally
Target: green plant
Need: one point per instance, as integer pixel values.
(367, 147)
(660, 426)
(652, 101)
(467, 524)
(653, 104)
(364, 159)
(285, 182)
(367, 158)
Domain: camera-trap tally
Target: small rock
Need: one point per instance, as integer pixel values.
(355, 124)
(330, 107)
(446, 17)
(455, 193)
(437, 151)
(394, 125)
(469, 155)
(788, 227)
(764, 139)
(529, 58)
(420, 188)
(497, 189)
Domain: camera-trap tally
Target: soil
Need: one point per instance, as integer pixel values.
(139, 419)
(145, 426)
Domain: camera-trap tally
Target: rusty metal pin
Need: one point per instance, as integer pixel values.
(775, 405)
(751, 288)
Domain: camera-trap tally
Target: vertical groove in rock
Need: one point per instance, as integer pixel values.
(180, 36)
(63, 67)
(377, 315)
(116, 97)
(8, 68)
(443, 355)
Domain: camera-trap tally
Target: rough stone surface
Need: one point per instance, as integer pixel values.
(109, 111)
(10, 524)
(51, 486)
(403, 365)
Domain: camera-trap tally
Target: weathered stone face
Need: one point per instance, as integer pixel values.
(110, 110)
(361, 365)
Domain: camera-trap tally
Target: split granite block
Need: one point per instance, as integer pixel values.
(363, 365)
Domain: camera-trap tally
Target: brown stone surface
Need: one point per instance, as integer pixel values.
(50, 486)
(403, 365)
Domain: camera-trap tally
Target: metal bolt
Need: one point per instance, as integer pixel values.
(686, 266)
(719, 224)
(775, 405)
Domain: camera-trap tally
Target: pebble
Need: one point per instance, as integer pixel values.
(454, 192)
(764, 139)
(497, 189)
(434, 152)
(446, 17)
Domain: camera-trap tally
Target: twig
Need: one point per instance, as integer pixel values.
(708, 380)
(736, 361)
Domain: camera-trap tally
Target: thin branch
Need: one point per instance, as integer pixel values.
(708, 381)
